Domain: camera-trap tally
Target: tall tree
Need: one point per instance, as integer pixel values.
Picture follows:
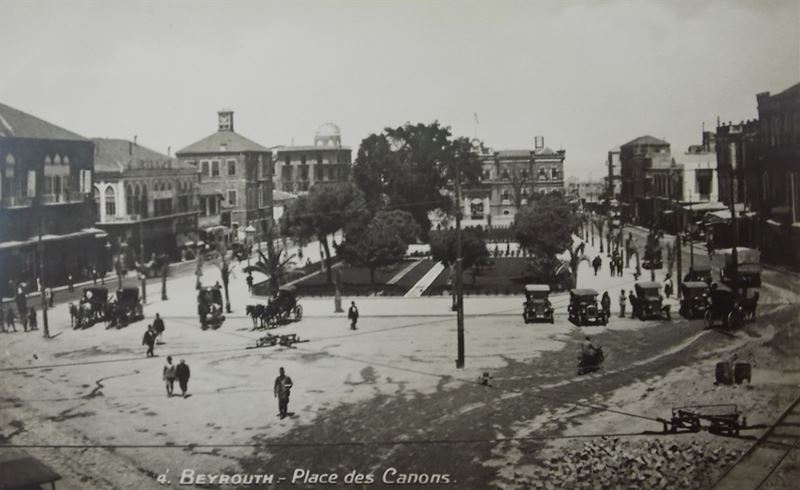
(407, 168)
(383, 242)
(546, 229)
(274, 265)
(325, 210)
(444, 248)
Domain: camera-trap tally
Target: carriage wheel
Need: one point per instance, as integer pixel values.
(298, 313)
(730, 321)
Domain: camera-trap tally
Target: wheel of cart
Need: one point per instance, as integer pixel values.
(298, 313)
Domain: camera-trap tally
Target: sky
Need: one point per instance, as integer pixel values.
(586, 75)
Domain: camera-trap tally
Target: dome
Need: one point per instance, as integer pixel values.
(327, 130)
(328, 134)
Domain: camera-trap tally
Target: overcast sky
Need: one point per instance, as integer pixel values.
(587, 76)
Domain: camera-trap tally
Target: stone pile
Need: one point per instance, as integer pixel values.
(612, 463)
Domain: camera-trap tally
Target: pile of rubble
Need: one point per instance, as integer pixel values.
(611, 463)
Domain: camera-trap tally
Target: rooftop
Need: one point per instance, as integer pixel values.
(17, 124)
(222, 142)
(646, 140)
(310, 148)
(118, 155)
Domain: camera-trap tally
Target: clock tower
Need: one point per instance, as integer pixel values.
(225, 118)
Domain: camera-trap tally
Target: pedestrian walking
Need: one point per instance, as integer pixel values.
(623, 301)
(619, 266)
(668, 286)
(182, 373)
(612, 267)
(632, 298)
(32, 321)
(94, 275)
(158, 327)
(605, 302)
(149, 340)
(169, 376)
(50, 296)
(710, 247)
(11, 320)
(283, 385)
(597, 263)
(70, 283)
(352, 314)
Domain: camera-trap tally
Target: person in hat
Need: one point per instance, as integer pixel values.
(352, 314)
(283, 385)
(182, 373)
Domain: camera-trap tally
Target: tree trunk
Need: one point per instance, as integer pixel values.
(327, 258)
(574, 262)
(164, 282)
(371, 276)
(225, 279)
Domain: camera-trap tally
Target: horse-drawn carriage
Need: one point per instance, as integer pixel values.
(93, 307)
(725, 308)
(127, 308)
(649, 303)
(209, 307)
(537, 306)
(583, 308)
(694, 300)
(279, 310)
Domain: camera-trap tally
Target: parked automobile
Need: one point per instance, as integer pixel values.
(694, 299)
(583, 308)
(127, 307)
(699, 272)
(744, 271)
(649, 303)
(537, 306)
(92, 307)
(209, 307)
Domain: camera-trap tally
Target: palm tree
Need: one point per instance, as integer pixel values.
(274, 265)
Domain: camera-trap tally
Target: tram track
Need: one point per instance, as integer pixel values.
(765, 462)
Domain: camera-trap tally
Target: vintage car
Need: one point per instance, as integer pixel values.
(744, 271)
(209, 307)
(92, 308)
(699, 272)
(694, 299)
(537, 306)
(127, 308)
(583, 308)
(724, 308)
(649, 303)
(652, 254)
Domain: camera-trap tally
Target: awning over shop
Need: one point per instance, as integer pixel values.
(705, 207)
(89, 232)
(725, 215)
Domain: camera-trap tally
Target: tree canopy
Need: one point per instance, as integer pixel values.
(407, 168)
(383, 242)
(325, 210)
(546, 226)
(444, 243)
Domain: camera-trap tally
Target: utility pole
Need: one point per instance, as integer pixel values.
(40, 265)
(459, 282)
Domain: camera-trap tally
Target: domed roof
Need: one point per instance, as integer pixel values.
(328, 130)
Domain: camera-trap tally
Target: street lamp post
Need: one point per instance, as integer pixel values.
(40, 265)
(250, 233)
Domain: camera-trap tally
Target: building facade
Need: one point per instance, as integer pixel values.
(509, 178)
(640, 160)
(145, 200)
(778, 166)
(46, 208)
(235, 180)
(297, 168)
(613, 179)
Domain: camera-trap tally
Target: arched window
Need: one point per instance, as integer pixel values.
(111, 202)
(130, 200)
(48, 161)
(96, 195)
(10, 164)
(57, 160)
(66, 160)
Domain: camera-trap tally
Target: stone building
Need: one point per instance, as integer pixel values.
(509, 178)
(637, 158)
(145, 200)
(45, 202)
(613, 180)
(297, 168)
(778, 166)
(235, 181)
